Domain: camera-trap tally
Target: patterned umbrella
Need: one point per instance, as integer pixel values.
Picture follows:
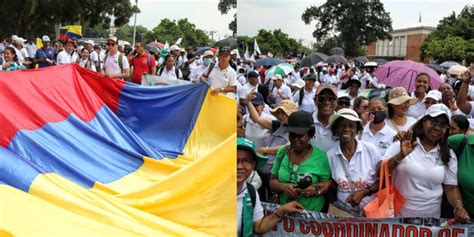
(403, 73)
(283, 69)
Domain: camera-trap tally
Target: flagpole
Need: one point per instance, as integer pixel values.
(135, 25)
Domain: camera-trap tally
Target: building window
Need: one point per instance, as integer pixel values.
(403, 46)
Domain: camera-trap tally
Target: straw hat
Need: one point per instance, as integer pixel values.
(399, 95)
(287, 106)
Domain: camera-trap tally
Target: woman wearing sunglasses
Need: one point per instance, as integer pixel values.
(425, 167)
(361, 106)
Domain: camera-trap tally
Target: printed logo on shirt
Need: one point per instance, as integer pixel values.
(383, 145)
(344, 186)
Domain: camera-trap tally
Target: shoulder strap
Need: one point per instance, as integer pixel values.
(105, 60)
(252, 193)
(211, 66)
(348, 177)
(301, 96)
(176, 71)
(120, 63)
(285, 151)
(461, 147)
(160, 71)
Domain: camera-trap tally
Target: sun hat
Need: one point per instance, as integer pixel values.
(276, 77)
(299, 83)
(249, 145)
(299, 122)
(434, 94)
(399, 95)
(349, 114)
(174, 47)
(288, 106)
(350, 81)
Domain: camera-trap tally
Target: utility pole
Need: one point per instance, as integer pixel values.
(211, 33)
(135, 25)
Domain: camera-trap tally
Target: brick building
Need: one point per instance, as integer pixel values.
(405, 44)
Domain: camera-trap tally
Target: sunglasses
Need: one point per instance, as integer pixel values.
(327, 98)
(435, 123)
(110, 44)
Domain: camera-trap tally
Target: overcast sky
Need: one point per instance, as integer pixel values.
(203, 13)
(286, 15)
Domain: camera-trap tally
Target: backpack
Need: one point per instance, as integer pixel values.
(252, 193)
(120, 58)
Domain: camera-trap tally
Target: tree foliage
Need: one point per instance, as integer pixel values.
(30, 18)
(354, 23)
(224, 7)
(453, 38)
(172, 30)
(277, 42)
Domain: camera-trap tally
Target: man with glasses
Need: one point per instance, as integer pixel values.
(326, 101)
(115, 64)
(142, 62)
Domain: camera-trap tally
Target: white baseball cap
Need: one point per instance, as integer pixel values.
(434, 94)
(437, 110)
(299, 83)
(45, 39)
(174, 47)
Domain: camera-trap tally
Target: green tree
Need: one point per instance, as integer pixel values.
(354, 23)
(224, 7)
(172, 30)
(36, 17)
(126, 33)
(277, 42)
(452, 39)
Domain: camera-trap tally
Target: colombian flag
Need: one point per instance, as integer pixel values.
(83, 155)
(70, 32)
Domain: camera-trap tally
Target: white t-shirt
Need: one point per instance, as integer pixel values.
(329, 79)
(171, 74)
(323, 138)
(382, 139)
(246, 89)
(419, 178)
(257, 211)
(256, 132)
(284, 90)
(196, 72)
(67, 58)
(364, 79)
(222, 78)
(410, 122)
(83, 63)
(361, 169)
(242, 80)
(307, 104)
(111, 65)
(31, 50)
(417, 110)
(19, 55)
(94, 56)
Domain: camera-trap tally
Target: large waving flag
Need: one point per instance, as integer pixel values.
(83, 155)
(70, 32)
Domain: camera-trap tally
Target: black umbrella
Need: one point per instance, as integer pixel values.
(447, 64)
(269, 61)
(380, 61)
(336, 59)
(229, 42)
(201, 50)
(152, 48)
(336, 51)
(313, 58)
(435, 67)
(362, 59)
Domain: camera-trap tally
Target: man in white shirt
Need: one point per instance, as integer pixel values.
(31, 48)
(280, 91)
(251, 85)
(250, 217)
(112, 68)
(68, 55)
(222, 77)
(207, 59)
(93, 55)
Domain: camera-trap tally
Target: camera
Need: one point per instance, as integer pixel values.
(304, 182)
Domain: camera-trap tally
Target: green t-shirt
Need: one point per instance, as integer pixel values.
(316, 165)
(465, 169)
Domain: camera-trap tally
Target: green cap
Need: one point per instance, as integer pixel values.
(247, 144)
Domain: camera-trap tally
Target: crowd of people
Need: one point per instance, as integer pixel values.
(314, 142)
(114, 60)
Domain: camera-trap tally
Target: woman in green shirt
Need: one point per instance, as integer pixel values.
(299, 166)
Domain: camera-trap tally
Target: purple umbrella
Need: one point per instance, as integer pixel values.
(403, 73)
